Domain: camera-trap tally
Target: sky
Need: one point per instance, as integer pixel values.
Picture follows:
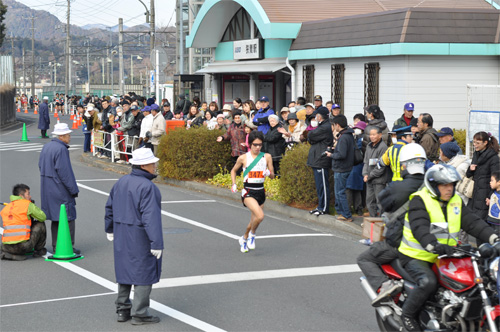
(106, 12)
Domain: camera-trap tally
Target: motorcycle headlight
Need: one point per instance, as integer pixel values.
(494, 268)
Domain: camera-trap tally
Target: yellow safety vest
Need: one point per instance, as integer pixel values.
(411, 247)
(391, 158)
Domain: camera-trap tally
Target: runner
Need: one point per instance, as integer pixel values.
(57, 104)
(256, 166)
(36, 101)
(24, 101)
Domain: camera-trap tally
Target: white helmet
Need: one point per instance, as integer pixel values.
(413, 155)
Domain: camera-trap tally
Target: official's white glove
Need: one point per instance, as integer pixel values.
(110, 236)
(156, 253)
(234, 188)
(267, 172)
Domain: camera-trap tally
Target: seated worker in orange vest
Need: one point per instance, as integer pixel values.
(23, 226)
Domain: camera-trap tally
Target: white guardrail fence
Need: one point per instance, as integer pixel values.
(119, 146)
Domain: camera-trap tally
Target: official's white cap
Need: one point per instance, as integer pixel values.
(45, 98)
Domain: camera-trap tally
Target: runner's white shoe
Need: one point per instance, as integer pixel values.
(243, 245)
(251, 241)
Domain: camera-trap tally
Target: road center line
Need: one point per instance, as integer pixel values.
(291, 235)
(256, 275)
(96, 180)
(192, 201)
(55, 300)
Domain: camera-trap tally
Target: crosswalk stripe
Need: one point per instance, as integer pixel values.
(22, 147)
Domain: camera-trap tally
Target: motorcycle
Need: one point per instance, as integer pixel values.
(467, 298)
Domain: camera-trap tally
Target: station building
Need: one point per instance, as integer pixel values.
(355, 53)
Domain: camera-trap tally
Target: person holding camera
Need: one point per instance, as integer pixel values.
(343, 161)
(320, 139)
(24, 227)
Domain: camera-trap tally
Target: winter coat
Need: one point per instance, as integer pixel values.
(461, 164)
(146, 125)
(430, 142)
(168, 115)
(297, 131)
(487, 162)
(398, 193)
(377, 172)
(355, 179)
(236, 135)
(320, 138)
(158, 129)
(57, 180)
(401, 121)
(274, 143)
(135, 130)
(377, 123)
(133, 215)
(43, 117)
(261, 119)
(127, 120)
(343, 154)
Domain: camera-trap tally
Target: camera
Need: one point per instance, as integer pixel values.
(328, 149)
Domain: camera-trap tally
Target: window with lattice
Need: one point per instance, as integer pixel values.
(371, 83)
(308, 82)
(338, 85)
(239, 28)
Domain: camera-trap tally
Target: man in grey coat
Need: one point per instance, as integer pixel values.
(57, 181)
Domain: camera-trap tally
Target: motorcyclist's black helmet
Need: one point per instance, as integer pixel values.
(440, 174)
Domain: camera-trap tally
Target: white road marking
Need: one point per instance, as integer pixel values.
(256, 275)
(55, 300)
(22, 146)
(153, 304)
(192, 201)
(97, 180)
(291, 235)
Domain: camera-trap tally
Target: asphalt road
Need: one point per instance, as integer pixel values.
(301, 276)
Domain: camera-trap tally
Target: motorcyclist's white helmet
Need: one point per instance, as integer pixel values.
(413, 156)
(440, 174)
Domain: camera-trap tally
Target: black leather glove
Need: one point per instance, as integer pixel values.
(443, 249)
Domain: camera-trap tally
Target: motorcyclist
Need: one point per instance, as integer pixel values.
(412, 159)
(437, 204)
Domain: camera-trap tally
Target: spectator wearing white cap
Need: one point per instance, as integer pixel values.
(43, 117)
(57, 181)
(133, 223)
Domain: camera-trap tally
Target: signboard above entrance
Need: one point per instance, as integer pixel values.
(248, 49)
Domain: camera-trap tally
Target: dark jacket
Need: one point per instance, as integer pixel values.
(401, 121)
(355, 179)
(343, 154)
(274, 143)
(105, 120)
(183, 106)
(133, 215)
(169, 115)
(136, 125)
(398, 192)
(57, 180)
(43, 117)
(430, 142)
(487, 162)
(320, 138)
(236, 135)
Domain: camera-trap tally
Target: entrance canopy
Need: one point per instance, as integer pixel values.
(258, 66)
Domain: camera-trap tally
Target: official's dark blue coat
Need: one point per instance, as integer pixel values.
(43, 117)
(133, 215)
(355, 179)
(57, 180)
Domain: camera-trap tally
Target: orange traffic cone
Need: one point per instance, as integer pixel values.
(75, 124)
(58, 120)
(79, 119)
(18, 108)
(36, 110)
(55, 114)
(72, 116)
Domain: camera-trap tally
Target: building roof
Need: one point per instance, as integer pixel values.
(410, 25)
(298, 11)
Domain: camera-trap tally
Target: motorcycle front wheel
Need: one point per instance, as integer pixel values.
(385, 325)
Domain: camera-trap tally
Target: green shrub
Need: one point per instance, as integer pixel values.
(297, 179)
(192, 154)
(460, 136)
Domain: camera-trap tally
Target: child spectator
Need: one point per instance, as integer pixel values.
(494, 203)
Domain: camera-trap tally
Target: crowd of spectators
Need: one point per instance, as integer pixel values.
(136, 121)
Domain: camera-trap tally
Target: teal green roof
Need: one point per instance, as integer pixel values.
(214, 16)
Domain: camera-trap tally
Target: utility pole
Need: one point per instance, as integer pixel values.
(152, 27)
(24, 75)
(88, 62)
(181, 39)
(107, 67)
(68, 77)
(13, 59)
(120, 55)
(102, 71)
(33, 56)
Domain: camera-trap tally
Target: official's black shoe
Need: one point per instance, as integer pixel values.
(123, 316)
(76, 251)
(145, 320)
(40, 253)
(410, 324)
(12, 257)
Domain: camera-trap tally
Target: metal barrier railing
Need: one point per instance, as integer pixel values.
(117, 145)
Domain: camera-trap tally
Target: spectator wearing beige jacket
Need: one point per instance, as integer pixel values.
(158, 128)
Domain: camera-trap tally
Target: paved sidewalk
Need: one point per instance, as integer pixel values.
(329, 220)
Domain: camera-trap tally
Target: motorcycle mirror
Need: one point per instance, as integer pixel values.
(487, 251)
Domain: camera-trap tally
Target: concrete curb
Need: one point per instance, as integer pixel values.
(329, 220)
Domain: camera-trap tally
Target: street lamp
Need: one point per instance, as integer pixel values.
(55, 64)
(132, 66)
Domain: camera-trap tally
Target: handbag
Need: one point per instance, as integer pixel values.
(466, 187)
(358, 154)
